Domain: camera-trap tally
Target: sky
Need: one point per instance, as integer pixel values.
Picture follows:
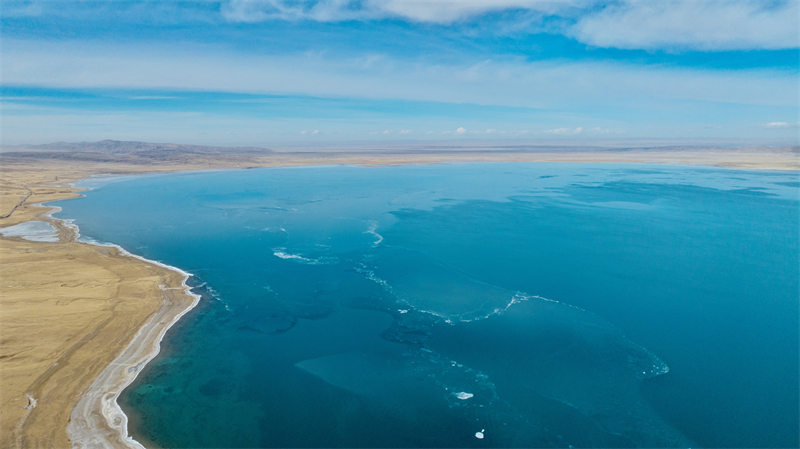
(274, 72)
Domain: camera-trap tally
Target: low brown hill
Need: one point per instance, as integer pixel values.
(124, 147)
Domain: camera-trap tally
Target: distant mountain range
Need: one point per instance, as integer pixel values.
(145, 153)
(131, 148)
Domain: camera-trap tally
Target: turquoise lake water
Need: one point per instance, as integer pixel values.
(468, 305)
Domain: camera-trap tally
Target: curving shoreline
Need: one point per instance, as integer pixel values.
(97, 420)
(63, 380)
(95, 318)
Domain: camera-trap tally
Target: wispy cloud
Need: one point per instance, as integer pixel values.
(699, 25)
(581, 130)
(510, 82)
(626, 24)
(436, 11)
(450, 11)
(324, 11)
(565, 131)
(779, 125)
(282, 66)
(153, 97)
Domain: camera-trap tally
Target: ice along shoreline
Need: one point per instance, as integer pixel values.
(97, 420)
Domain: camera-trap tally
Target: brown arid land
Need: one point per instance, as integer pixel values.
(78, 321)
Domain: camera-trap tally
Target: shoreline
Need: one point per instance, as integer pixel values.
(97, 419)
(110, 428)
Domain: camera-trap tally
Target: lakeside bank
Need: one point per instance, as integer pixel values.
(71, 310)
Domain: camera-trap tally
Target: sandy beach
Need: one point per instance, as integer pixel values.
(79, 321)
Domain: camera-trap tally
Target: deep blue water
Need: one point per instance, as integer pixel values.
(539, 304)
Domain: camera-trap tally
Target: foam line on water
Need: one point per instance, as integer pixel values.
(373, 226)
(658, 368)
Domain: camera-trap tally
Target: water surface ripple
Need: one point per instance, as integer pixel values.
(467, 305)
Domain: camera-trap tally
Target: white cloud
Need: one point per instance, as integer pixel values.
(491, 131)
(405, 131)
(251, 11)
(559, 131)
(460, 131)
(507, 82)
(442, 12)
(778, 125)
(699, 25)
(303, 132)
(580, 130)
(627, 24)
(450, 11)
(316, 131)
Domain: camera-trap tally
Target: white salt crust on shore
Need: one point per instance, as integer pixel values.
(35, 231)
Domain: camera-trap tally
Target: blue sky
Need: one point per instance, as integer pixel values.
(274, 72)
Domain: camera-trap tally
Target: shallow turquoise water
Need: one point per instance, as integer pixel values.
(538, 304)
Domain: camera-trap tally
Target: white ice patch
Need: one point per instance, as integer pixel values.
(372, 277)
(35, 231)
(463, 395)
(284, 255)
(373, 226)
(479, 435)
(275, 230)
(298, 258)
